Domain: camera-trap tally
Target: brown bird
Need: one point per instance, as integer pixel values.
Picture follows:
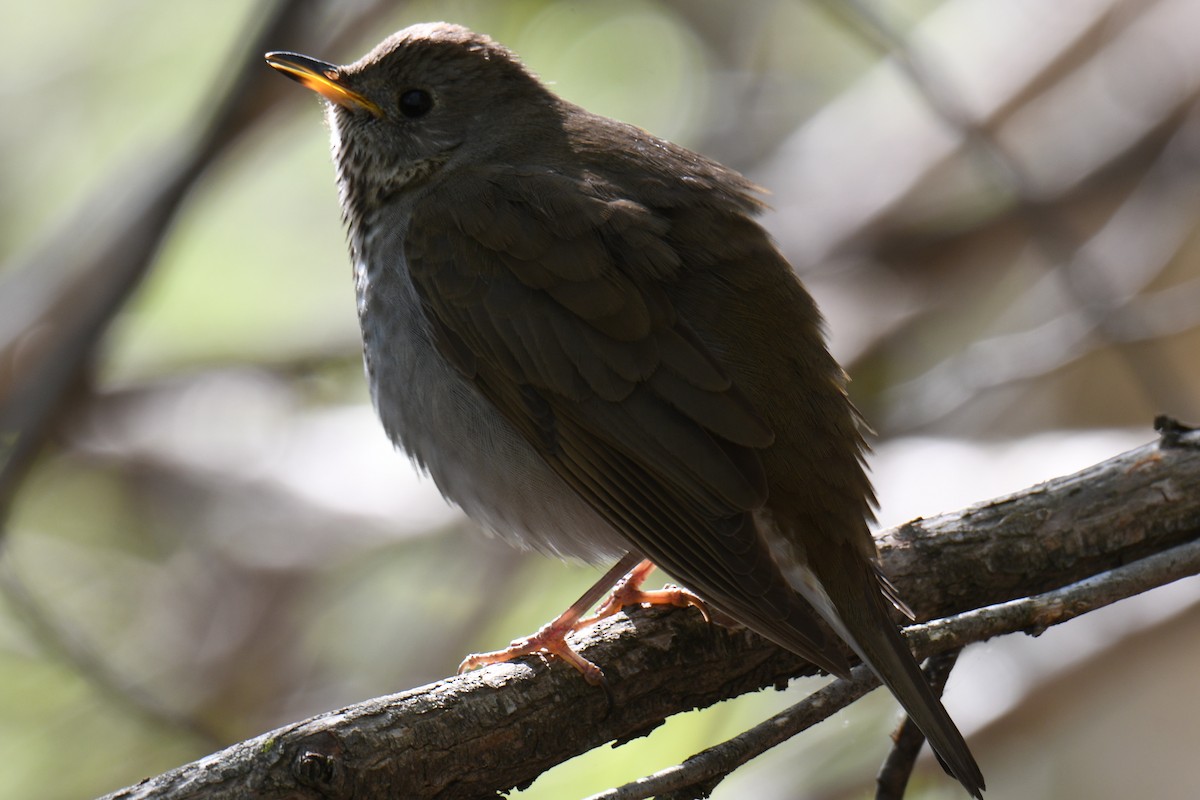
(585, 337)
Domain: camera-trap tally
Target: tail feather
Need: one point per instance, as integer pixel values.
(887, 654)
(870, 631)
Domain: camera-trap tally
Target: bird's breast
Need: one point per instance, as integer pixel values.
(476, 457)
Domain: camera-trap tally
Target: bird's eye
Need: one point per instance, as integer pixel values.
(415, 103)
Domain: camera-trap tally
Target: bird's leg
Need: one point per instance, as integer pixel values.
(551, 639)
(629, 592)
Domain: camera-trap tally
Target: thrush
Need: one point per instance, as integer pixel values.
(585, 337)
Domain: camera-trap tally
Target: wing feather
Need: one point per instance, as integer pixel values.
(545, 291)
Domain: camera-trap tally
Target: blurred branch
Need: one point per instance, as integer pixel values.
(877, 139)
(1082, 271)
(484, 732)
(47, 630)
(56, 305)
(1168, 199)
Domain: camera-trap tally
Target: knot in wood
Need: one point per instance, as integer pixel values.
(318, 764)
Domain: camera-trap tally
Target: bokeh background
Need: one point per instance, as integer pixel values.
(207, 534)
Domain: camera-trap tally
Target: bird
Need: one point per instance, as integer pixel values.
(585, 336)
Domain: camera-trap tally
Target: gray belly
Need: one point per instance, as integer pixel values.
(476, 458)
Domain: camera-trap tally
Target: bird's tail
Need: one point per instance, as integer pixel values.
(870, 631)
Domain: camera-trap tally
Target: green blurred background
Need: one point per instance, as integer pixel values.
(996, 205)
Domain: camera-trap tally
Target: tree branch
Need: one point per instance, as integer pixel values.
(475, 735)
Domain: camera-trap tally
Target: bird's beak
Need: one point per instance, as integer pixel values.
(324, 79)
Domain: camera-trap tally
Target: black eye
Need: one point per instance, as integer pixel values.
(415, 103)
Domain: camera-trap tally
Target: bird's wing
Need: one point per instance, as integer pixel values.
(547, 292)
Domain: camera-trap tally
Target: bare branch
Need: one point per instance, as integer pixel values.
(484, 732)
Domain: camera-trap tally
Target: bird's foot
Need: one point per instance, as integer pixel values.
(550, 640)
(629, 592)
